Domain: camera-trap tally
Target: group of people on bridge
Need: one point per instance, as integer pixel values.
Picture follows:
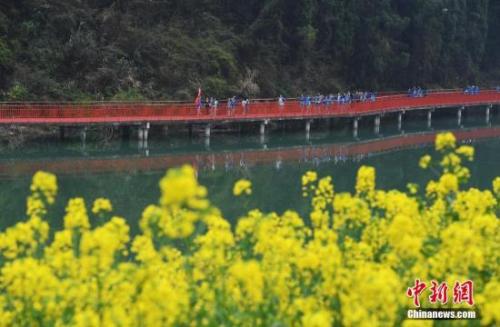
(211, 103)
(417, 92)
(471, 89)
(340, 98)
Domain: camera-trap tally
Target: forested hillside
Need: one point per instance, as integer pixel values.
(165, 49)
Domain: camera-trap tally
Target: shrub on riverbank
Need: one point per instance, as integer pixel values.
(352, 265)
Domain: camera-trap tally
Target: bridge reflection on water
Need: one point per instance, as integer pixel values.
(233, 159)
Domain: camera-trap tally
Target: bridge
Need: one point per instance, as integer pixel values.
(262, 111)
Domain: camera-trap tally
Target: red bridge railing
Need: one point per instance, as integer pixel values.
(128, 112)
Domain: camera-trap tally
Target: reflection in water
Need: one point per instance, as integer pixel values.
(316, 154)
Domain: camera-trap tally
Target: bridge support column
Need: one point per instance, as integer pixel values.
(208, 130)
(488, 113)
(83, 135)
(263, 128)
(355, 127)
(144, 148)
(377, 124)
(400, 120)
(263, 133)
(459, 116)
(429, 119)
(143, 134)
(308, 129)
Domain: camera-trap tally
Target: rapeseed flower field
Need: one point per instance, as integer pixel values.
(350, 263)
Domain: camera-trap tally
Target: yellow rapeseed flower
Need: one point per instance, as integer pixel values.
(309, 177)
(496, 186)
(321, 318)
(76, 215)
(45, 183)
(445, 141)
(243, 186)
(448, 183)
(102, 205)
(425, 161)
(365, 181)
(245, 283)
(412, 188)
(467, 151)
(180, 187)
(489, 302)
(187, 265)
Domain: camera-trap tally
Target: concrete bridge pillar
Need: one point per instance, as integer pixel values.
(308, 126)
(83, 138)
(208, 130)
(459, 116)
(488, 113)
(144, 149)
(263, 133)
(263, 127)
(83, 135)
(355, 126)
(308, 129)
(377, 124)
(147, 126)
(143, 134)
(400, 120)
(429, 119)
(207, 143)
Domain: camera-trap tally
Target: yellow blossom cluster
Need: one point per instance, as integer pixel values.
(425, 161)
(445, 141)
(454, 173)
(46, 184)
(349, 263)
(243, 186)
(101, 206)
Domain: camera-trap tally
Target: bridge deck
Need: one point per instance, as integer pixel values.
(112, 112)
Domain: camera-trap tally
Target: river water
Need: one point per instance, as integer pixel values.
(129, 176)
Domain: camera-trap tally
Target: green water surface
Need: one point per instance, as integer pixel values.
(276, 182)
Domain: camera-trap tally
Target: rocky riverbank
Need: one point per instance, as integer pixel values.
(14, 136)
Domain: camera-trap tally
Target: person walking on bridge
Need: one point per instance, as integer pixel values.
(244, 103)
(281, 102)
(197, 101)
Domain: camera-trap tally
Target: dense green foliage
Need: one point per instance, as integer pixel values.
(95, 49)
